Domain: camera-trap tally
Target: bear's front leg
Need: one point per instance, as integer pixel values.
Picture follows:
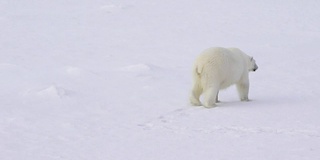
(243, 91)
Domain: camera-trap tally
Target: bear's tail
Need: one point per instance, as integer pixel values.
(197, 69)
(196, 73)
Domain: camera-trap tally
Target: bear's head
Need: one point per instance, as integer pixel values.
(252, 66)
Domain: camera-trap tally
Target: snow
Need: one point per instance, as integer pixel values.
(94, 79)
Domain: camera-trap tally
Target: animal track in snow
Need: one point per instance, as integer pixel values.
(170, 122)
(165, 119)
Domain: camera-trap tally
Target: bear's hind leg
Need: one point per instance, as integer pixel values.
(210, 96)
(243, 91)
(217, 98)
(195, 95)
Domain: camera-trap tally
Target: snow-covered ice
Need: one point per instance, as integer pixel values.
(94, 79)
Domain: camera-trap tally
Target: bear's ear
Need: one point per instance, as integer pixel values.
(251, 59)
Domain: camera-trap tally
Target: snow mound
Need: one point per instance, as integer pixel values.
(112, 8)
(7, 68)
(74, 71)
(49, 92)
(6, 65)
(137, 68)
(52, 91)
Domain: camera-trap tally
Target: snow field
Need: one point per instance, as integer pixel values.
(111, 79)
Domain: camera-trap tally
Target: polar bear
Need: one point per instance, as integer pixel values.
(218, 68)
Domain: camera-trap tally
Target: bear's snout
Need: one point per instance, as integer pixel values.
(255, 68)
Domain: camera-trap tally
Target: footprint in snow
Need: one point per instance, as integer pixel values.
(167, 118)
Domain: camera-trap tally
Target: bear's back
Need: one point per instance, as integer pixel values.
(225, 64)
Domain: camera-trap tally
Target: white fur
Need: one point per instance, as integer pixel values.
(219, 68)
